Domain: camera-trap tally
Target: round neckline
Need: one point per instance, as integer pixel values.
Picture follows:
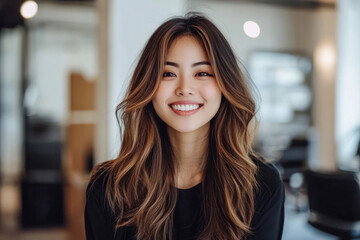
(189, 189)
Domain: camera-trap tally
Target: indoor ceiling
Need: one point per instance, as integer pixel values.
(294, 3)
(10, 16)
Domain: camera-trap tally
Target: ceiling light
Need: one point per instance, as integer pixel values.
(251, 29)
(28, 9)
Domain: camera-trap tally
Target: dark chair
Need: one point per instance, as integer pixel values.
(291, 165)
(294, 158)
(334, 202)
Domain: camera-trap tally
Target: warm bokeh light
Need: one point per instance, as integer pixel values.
(251, 29)
(28, 9)
(325, 56)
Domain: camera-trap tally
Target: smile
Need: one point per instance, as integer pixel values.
(187, 107)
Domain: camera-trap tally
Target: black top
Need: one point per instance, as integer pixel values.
(267, 222)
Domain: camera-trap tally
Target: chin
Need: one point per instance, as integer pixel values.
(187, 128)
(182, 129)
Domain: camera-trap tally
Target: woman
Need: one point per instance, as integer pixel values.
(186, 169)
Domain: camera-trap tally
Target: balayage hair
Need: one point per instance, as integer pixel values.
(140, 187)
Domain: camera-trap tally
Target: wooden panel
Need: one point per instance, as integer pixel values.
(82, 93)
(80, 143)
(79, 147)
(75, 204)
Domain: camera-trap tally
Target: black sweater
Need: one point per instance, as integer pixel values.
(267, 222)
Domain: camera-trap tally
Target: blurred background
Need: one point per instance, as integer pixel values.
(64, 66)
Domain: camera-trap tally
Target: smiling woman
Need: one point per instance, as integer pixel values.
(186, 168)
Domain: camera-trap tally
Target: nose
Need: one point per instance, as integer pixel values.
(184, 88)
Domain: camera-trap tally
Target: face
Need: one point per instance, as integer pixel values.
(188, 96)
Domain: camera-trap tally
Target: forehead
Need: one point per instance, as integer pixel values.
(186, 48)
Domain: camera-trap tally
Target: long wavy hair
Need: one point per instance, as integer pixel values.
(140, 187)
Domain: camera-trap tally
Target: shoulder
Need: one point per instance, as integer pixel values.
(268, 218)
(267, 176)
(96, 191)
(100, 220)
(99, 177)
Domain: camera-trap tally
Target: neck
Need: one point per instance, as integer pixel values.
(190, 153)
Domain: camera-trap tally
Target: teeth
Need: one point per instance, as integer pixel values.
(185, 107)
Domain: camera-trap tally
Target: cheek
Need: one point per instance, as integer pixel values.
(212, 93)
(160, 94)
(160, 97)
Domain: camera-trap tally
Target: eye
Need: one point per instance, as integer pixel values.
(168, 74)
(204, 74)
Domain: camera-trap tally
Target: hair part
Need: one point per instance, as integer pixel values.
(140, 186)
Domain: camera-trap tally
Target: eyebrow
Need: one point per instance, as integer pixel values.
(192, 65)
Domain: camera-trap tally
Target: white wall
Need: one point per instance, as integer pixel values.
(348, 81)
(11, 149)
